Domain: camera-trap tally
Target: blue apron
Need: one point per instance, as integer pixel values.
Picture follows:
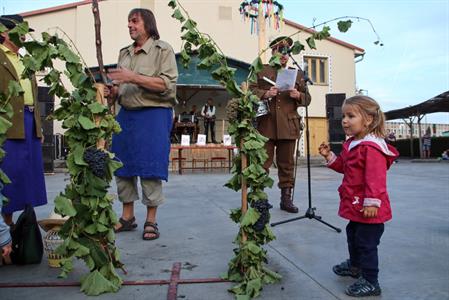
(143, 145)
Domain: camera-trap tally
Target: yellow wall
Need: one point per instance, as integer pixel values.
(232, 35)
(318, 134)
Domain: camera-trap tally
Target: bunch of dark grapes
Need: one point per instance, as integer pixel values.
(263, 207)
(97, 160)
(232, 110)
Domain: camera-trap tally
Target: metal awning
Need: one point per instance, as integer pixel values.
(191, 77)
(438, 103)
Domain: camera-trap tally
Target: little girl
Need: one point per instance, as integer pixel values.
(364, 161)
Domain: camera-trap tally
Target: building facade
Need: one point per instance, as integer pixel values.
(331, 66)
(402, 130)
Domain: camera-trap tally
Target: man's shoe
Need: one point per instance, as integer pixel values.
(287, 202)
(345, 269)
(363, 288)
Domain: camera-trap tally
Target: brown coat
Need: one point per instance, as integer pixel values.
(7, 73)
(283, 120)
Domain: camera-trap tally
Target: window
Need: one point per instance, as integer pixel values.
(317, 69)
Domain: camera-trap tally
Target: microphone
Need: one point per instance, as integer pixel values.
(306, 75)
(307, 79)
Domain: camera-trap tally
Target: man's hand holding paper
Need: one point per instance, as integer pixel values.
(272, 92)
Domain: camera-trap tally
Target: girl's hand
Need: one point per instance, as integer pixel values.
(7, 249)
(325, 151)
(370, 211)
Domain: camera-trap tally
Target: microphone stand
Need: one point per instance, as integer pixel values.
(310, 213)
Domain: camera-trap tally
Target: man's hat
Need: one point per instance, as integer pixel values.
(10, 21)
(279, 41)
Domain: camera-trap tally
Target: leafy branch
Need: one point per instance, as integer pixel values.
(88, 234)
(247, 267)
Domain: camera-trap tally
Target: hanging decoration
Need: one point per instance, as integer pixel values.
(272, 10)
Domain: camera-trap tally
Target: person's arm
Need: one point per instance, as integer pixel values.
(262, 93)
(5, 237)
(169, 70)
(203, 111)
(164, 83)
(333, 161)
(336, 163)
(375, 178)
(124, 75)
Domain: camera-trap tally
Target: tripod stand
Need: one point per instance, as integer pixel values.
(310, 213)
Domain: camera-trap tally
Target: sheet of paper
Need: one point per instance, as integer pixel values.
(185, 140)
(286, 79)
(201, 140)
(227, 141)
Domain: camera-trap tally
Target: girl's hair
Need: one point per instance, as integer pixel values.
(369, 107)
(148, 19)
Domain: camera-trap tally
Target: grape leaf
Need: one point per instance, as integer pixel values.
(95, 284)
(64, 206)
(86, 123)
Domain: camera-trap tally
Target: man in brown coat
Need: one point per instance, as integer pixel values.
(282, 124)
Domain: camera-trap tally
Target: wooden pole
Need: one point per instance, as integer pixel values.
(262, 32)
(97, 23)
(101, 143)
(98, 43)
(222, 128)
(244, 187)
(421, 152)
(244, 208)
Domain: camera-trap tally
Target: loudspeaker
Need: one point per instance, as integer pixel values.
(48, 155)
(43, 95)
(46, 107)
(334, 115)
(47, 127)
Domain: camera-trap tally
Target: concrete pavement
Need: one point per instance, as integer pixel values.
(197, 232)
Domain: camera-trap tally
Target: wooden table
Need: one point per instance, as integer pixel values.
(191, 147)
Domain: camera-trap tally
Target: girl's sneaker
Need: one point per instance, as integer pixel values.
(363, 288)
(345, 269)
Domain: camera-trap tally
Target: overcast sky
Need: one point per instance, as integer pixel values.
(411, 67)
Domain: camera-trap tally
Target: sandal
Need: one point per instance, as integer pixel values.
(154, 231)
(127, 225)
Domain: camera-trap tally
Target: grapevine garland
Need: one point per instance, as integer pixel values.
(88, 234)
(247, 267)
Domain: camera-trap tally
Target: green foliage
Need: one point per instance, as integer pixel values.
(344, 26)
(246, 267)
(88, 233)
(297, 47)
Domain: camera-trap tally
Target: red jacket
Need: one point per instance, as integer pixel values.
(364, 164)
